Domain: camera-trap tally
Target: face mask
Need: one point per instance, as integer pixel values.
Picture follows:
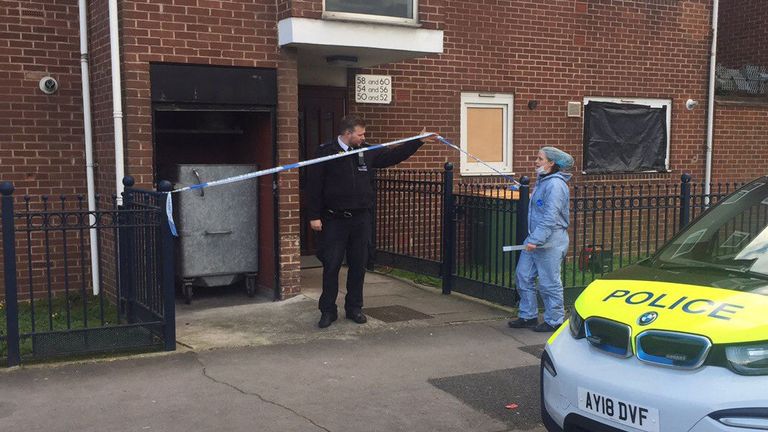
(541, 170)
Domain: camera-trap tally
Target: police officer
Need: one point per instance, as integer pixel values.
(341, 196)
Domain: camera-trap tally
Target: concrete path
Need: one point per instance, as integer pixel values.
(264, 366)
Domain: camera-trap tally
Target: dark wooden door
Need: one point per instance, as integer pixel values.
(320, 110)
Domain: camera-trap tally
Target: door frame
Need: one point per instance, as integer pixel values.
(313, 92)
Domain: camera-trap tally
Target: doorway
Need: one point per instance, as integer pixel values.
(222, 120)
(320, 111)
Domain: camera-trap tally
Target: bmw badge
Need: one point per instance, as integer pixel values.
(647, 318)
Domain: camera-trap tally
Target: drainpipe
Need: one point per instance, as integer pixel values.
(117, 97)
(711, 101)
(88, 144)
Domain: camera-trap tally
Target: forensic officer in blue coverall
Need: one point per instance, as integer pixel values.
(546, 244)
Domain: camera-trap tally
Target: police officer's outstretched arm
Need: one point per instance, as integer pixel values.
(553, 205)
(316, 177)
(394, 155)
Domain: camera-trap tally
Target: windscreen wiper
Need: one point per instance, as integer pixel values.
(712, 266)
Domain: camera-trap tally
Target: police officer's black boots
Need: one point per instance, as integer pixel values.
(357, 316)
(326, 318)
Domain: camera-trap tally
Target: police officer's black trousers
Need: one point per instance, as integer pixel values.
(339, 236)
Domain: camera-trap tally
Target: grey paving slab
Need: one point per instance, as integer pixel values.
(243, 322)
(383, 377)
(167, 393)
(253, 364)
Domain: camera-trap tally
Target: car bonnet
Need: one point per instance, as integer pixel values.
(724, 316)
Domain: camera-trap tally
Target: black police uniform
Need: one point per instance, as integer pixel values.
(340, 193)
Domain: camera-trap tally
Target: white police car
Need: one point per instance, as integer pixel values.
(676, 343)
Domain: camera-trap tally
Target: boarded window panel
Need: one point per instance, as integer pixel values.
(624, 138)
(485, 133)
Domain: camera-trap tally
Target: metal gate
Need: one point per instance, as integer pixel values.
(426, 223)
(59, 302)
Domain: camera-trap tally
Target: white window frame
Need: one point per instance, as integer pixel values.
(653, 103)
(349, 16)
(469, 166)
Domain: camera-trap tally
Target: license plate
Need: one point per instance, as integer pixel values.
(621, 411)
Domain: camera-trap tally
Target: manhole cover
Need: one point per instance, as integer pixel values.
(395, 313)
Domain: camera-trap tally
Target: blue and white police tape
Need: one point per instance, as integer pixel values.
(514, 184)
(169, 203)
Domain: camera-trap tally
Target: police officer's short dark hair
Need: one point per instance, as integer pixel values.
(349, 123)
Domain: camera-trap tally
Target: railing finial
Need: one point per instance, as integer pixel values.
(6, 188)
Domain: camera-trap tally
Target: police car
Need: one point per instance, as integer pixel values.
(678, 342)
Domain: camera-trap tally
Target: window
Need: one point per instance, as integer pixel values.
(626, 134)
(486, 132)
(392, 11)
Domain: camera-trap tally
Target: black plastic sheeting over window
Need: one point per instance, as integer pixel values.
(624, 138)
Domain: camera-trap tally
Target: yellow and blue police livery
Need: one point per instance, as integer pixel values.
(678, 342)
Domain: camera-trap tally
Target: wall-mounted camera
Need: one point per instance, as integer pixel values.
(48, 85)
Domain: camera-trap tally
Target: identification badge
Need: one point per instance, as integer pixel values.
(361, 166)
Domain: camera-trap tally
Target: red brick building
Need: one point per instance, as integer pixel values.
(741, 125)
(262, 82)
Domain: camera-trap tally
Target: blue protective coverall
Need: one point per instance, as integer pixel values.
(548, 220)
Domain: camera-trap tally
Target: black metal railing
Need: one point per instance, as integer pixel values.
(68, 275)
(409, 229)
(485, 221)
(618, 225)
(612, 226)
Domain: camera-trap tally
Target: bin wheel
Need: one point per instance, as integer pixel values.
(187, 291)
(250, 285)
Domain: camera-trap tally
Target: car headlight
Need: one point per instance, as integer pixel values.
(576, 325)
(748, 359)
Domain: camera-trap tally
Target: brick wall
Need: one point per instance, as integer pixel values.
(553, 52)
(741, 37)
(41, 136)
(228, 33)
(101, 96)
(428, 11)
(740, 146)
(288, 152)
(215, 32)
(303, 9)
(41, 144)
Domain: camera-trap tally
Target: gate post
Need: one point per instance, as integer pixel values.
(685, 200)
(449, 229)
(372, 246)
(127, 236)
(9, 262)
(167, 270)
(521, 224)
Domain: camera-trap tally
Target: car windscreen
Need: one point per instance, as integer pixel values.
(732, 236)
